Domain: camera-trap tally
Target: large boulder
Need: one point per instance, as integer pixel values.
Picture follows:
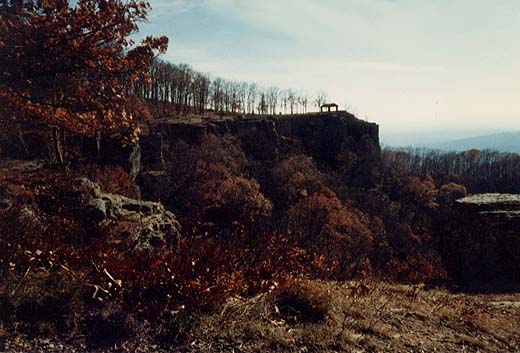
(36, 191)
(143, 224)
(481, 240)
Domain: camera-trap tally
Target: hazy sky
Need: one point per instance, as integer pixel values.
(409, 65)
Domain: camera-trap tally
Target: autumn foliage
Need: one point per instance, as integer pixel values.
(73, 67)
(336, 238)
(248, 226)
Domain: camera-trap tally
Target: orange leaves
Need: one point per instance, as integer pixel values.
(233, 198)
(72, 66)
(332, 233)
(422, 192)
(295, 178)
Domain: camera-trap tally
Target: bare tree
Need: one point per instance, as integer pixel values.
(292, 100)
(251, 97)
(180, 88)
(321, 98)
(201, 84)
(272, 99)
(242, 96)
(216, 94)
(305, 101)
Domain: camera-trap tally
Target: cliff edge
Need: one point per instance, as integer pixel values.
(483, 242)
(337, 141)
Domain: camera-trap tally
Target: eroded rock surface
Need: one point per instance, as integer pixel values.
(134, 224)
(497, 206)
(337, 141)
(482, 241)
(146, 224)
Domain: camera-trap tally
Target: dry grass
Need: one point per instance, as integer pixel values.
(361, 316)
(364, 316)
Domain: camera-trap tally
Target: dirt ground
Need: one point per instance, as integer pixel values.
(367, 316)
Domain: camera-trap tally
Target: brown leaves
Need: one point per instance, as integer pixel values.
(331, 233)
(74, 67)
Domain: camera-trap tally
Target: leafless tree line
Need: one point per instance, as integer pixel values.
(178, 89)
(480, 171)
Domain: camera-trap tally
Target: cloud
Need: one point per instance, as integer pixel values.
(186, 53)
(394, 59)
(174, 7)
(310, 21)
(393, 67)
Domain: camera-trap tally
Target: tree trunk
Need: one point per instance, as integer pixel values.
(57, 135)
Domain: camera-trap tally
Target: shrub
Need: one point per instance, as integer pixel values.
(174, 327)
(448, 193)
(230, 199)
(109, 326)
(332, 232)
(209, 191)
(293, 179)
(43, 302)
(112, 180)
(421, 192)
(300, 301)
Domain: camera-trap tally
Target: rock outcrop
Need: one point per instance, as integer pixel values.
(332, 139)
(336, 140)
(482, 241)
(143, 224)
(133, 224)
(496, 208)
(35, 143)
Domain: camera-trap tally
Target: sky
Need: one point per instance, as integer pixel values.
(409, 65)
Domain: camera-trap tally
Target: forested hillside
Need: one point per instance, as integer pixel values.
(145, 206)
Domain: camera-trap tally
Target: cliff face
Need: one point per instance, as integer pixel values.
(495, 208)
(335, 140)
(483, 242)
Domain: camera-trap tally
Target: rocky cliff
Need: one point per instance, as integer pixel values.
(332, 139)
(483, 239)
(337, 141)
(494, 208)
(132, 224)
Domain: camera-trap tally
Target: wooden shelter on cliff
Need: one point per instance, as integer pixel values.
(328, 106)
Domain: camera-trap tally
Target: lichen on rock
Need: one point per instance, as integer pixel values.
(146, 224)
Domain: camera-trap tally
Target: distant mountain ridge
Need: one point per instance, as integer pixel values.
(503, 142)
